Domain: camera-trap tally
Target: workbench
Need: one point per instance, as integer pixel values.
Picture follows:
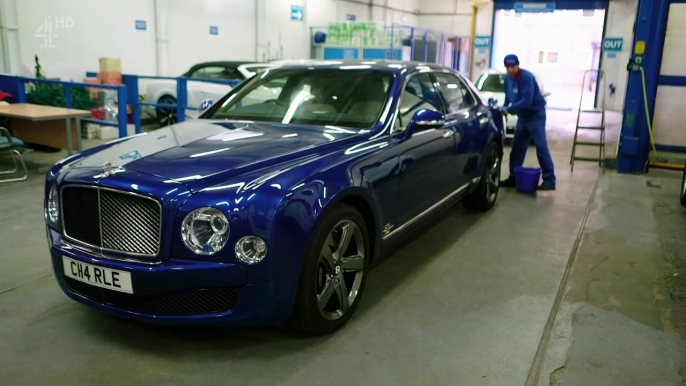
(57, 127)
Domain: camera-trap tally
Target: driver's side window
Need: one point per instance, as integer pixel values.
(420, 93)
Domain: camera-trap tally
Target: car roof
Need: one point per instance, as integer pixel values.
(223, 63)
(385, 65)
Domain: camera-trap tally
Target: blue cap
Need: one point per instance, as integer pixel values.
(511, 60)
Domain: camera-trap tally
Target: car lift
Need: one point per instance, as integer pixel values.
(601, 143)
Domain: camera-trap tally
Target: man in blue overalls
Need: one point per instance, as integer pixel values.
(523, 98)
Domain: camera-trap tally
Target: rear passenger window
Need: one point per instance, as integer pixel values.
(456, 94)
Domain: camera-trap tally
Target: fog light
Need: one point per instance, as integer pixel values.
(251, 249)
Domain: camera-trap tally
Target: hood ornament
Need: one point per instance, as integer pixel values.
(109, 169)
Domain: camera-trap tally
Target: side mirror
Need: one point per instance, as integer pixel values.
(206, 104)
(492, 102)
(425, 119)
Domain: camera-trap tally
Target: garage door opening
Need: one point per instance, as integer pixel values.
(557, 46)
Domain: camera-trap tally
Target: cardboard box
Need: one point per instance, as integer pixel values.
(110, 65)
(109, 132)
(92, 91)
(110, 78)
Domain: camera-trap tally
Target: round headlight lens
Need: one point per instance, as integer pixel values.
(53, 209)
(251, 249)
(205, 231)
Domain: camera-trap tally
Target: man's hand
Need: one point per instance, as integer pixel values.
(504, 109)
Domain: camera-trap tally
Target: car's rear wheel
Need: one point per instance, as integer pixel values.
(166, 116)
(487, 192)
(333, 274)
(682, 197)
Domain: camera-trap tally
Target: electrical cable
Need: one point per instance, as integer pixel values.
(658, 162)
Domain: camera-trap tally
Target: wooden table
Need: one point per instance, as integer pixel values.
(46, 125)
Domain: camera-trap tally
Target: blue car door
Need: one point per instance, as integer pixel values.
(426, 157)
(472, 120)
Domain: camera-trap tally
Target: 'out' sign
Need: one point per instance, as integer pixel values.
(482, 41)
(613, 44)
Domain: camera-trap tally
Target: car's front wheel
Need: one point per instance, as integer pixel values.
(166, 116)
(484, 197)
(682, 197)
(334, 272)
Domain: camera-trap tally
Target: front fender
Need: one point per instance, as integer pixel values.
(303, 209)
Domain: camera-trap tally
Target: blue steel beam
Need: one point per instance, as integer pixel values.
(634, 143)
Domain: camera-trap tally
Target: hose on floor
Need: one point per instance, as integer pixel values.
(657, 161)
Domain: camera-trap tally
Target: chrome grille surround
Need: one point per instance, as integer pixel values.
(111, 220)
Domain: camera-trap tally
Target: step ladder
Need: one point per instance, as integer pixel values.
(595, 112)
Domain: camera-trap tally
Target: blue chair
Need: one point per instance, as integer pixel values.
(12, 147)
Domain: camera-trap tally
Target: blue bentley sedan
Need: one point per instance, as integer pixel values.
(270, 207)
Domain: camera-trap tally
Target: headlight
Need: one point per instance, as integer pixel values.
(52, 212)
(251, 249)
(205, 231)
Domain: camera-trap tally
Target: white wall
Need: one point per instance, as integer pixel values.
(284, 38)
(248, 30)
(669, 113)
(189, 37)
(97, 28)
(454, 16)
(100, 28)
(620, 23)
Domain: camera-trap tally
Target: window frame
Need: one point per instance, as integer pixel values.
(434, 82)
(465, 87)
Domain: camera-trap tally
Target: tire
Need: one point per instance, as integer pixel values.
(166, 116)
(322, 276)
(682, 196)
(486, 194)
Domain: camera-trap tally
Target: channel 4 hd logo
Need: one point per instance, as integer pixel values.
(46, 31)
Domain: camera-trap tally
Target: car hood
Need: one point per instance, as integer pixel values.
(196, 150)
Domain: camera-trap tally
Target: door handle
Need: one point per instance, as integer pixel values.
(448, 133)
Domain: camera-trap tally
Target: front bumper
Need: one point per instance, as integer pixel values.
(179, 292)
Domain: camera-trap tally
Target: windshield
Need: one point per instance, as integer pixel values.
(491, 83)
(351, 98)
(252, 70)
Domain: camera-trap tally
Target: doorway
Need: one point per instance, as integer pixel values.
(558, 47)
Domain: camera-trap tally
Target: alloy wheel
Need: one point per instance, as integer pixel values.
(340, 270)
(493, 176)
(166, 116)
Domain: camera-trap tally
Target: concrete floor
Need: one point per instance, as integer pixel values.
(581, 286)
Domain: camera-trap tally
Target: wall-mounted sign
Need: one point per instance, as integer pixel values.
(214, 30)
(350, 17)
(613, 44)
(297, 12)
(141, 25)
(481, 43)
(534, 7)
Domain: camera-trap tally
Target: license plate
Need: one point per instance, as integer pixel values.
(111, 279)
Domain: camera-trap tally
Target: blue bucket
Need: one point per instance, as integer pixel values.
(527, 179)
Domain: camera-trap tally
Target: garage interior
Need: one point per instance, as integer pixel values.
(584, 285)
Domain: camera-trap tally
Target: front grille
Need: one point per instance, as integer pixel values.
(179, 303)
(111, 221)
